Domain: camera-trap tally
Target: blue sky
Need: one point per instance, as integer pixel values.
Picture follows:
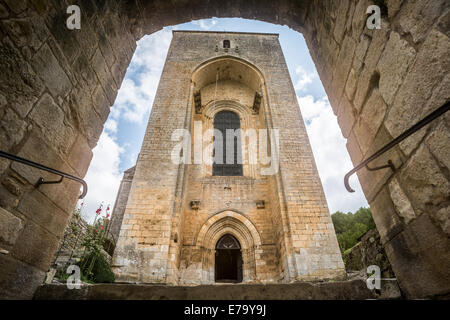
(122, 137)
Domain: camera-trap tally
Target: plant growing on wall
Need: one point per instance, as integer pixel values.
(93, 264)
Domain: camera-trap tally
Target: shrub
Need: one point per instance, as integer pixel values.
(96, 269)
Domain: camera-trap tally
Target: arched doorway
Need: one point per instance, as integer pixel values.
(228, 260)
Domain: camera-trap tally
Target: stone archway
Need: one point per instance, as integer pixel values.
(236, 225)
(203, 78)
(379, 82)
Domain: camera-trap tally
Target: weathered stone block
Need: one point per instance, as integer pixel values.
(35, 246)
(35, 207)
(373, 181)
(3, 11)
(412, 101)
(424, 181)
(20, 85)
(16, 6)
(341, 20)
(360, 51)
(104, 76)
(13, 186)
(370, 120)
(420, 259)
(346, 116)
(50, 71)
(80, 155)
(94, 128)
(101, 104)
(28, 31)
(350, 86)
(354, 149)
(66, 40)
(394, 62)
(12, 128)
(439, 144)
(18, 280)
(386, 218)
(359, 18)
(35, 149)
(343, 64)
(401, 202)
(393, 7)
(49, 117)
(10, 227)
(88, 40)
(416, 18)
(442, 218)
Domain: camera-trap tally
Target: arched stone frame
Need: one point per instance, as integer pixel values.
(246, 63)
(330, 45)
(211, 109)
(244, 112)
(239, 226)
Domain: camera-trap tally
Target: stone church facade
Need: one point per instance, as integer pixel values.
(199, 222)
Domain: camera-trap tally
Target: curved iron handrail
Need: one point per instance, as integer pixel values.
(433, 115)
(51, 170)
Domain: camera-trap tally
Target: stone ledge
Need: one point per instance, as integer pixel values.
(339, 290)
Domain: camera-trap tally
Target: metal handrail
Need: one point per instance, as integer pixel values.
(51, 170)
(433, 115)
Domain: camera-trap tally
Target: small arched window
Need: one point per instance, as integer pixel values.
(228, 123)
(228, 242)
(226, 44)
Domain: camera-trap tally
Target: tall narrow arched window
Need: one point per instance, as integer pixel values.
(229, 141)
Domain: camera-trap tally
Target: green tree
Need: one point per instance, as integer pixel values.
(350, 226)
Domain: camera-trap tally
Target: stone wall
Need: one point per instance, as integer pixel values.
(120, 203)
(71, 250)
(57, 86)
(369, 251)
(70, 245)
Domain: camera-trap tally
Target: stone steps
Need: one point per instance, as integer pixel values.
(339, 290)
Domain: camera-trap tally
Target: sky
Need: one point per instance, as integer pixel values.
(121, 140)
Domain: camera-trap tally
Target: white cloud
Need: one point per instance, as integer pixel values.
(205, 24)
(134, 100)
(136, 94)
(111, 125)
(330, 153)
(304, 78)
(103, 177)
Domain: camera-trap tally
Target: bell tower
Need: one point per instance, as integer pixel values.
(225, 188)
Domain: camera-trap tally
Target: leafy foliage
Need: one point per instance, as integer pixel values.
(93, 265)
(350, 226)
(90, 253)
(96, 269)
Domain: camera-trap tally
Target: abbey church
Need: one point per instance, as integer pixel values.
(258, 216)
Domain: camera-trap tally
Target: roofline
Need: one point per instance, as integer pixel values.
(228, 32)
